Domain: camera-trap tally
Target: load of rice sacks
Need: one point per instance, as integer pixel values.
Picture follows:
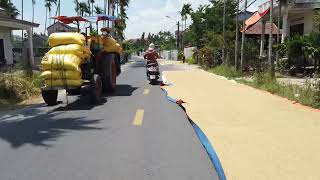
(61, 64)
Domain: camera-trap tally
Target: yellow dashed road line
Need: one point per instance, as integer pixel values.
(138, 119)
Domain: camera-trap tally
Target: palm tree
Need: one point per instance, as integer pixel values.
(84, 8)
(98, 10)
(186, 10)
(77, 7)
(10, 9)
(92, 6)
(270, 59)
(48, 5)
(123, 17)
(33, 3)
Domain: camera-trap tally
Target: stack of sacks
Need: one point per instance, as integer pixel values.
(61, 64)
(111, 45)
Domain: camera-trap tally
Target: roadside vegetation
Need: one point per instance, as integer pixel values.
(16, 87)
(226, 71)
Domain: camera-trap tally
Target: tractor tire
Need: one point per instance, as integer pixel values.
(95, 89)
(107, 68)
(50, 97)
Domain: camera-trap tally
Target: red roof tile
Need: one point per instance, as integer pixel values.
(257, 29)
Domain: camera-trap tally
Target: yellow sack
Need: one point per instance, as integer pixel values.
(61, 61)
(75, 49)
(70, 75)
(111, 45)
(60, 83)
(64, 38)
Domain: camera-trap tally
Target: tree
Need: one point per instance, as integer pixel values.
(98, 10)
(281, 2)
(121, 24)
(243, 37)
(84, 8)
(92, 6)
(270, 59)
(186, 10)
(48, 6)
(77, 9)
(10, 9)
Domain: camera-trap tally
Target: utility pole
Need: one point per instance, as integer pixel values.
(224, 32)
(237, 38)
(243, 35)
(270, 59)
(105, 11)
(22, 19)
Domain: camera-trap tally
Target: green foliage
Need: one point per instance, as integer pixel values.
(226, 71)
(191, 60)
(180, 56)
(307, 95)
(9, 7)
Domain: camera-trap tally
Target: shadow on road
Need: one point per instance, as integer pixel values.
(40, 130)
(123, 90)
(83, 103)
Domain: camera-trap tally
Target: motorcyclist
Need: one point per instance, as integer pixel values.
(151, 54)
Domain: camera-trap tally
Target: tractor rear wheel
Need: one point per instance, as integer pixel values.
(107, 69)
(96, 89)
(50, 97)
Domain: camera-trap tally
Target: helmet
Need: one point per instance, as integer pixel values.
(152, 46)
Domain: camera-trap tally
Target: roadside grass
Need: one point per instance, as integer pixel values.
(226, 71)
(15, 88)
(308, 95)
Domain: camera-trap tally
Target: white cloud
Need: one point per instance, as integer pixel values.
(145, 17)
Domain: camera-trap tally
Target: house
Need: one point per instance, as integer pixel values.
(60, 27)
(7, 24)
(40, 40)
(244, 16)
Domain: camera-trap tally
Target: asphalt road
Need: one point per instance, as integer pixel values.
(134, 134)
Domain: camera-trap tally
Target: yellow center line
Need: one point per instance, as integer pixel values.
(138, 119)
(146, 91)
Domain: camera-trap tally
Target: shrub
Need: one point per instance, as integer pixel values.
(191, 61)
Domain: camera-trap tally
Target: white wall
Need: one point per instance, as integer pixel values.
(169, 55)
(5, 34)
(188, 52)
(306, 18)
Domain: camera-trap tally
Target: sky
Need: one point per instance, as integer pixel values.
(144, 15)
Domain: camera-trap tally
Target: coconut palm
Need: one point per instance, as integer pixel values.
(10, 9)
(186, 10)
(123, 17)
(92, 6)
(48, 5)
(84, 8)
(77, 7)
(98, 10)
(33, 3)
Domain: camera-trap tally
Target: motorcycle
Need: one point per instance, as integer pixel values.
(153, 72)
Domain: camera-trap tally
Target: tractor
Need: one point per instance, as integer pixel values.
(99, 71)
